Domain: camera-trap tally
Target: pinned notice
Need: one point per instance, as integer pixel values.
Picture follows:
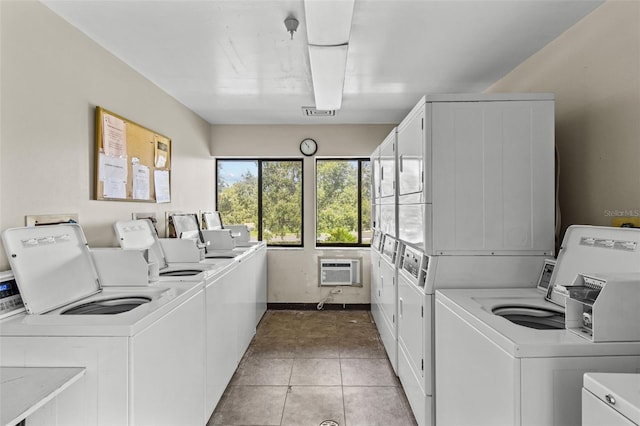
(140, 182)
(161, 179)
(114, 136)
(162, 153)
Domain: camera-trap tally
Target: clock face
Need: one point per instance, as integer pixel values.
(308, 146)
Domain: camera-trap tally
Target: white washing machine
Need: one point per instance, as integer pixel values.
(125, 337)
(492, 370)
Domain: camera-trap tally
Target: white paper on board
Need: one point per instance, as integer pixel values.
(114, 189)
(161, 179)
(141, 182)
(114, 137)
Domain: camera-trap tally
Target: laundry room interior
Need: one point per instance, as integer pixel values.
(320, 212)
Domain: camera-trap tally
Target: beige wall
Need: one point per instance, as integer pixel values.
(594, 70)
(292, 273)
(52, 78)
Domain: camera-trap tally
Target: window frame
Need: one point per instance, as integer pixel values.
(260, 161)
(360, 184)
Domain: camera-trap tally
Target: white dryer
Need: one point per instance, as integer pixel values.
(116, 333)
(493, 370)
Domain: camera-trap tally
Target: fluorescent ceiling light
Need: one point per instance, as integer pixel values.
(328, 21)
(328, 65)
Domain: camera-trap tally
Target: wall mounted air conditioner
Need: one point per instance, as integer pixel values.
(339, 271)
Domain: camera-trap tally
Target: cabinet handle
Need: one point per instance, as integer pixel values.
(610, 399)
(401, 308)
(401, 155)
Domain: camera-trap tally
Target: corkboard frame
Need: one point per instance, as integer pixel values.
(142, 147)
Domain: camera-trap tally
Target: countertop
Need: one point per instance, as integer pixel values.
(26, 389)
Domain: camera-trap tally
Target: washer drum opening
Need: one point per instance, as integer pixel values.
(532, 317)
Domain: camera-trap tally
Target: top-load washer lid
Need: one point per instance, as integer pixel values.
(52, 265)
(139, 234)
(594, 249)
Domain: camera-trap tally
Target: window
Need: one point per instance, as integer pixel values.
(343, 202)
(265, 195)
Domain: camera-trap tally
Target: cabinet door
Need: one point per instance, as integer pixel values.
(388, 292)
(411, 154)
(388, 166)
(411, 325)
(167, 382)
(375, 174)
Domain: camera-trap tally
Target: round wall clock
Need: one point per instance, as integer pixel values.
(308, 146)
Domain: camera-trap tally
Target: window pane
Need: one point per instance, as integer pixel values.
(365, 191)
(282, 202)
(237, 186)
(337, 201)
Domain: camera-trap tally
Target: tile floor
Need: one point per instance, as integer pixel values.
(305, 367)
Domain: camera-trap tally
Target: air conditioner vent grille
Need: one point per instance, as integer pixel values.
(339, 272)
(313, 112)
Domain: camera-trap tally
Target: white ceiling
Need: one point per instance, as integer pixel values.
(233, 62)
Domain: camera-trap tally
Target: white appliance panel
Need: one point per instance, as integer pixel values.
(415, 225)
(411, 304)
(414, 155)
(493, 172)
(388, 219)
(155, 357)
(597, 413)
(388, 166)
(388, 295)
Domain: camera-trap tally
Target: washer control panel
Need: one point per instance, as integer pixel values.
(10, 299)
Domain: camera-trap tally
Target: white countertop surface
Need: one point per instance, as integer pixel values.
(25, 389)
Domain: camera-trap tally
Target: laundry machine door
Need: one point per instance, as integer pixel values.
(411, 325)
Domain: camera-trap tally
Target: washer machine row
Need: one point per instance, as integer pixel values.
(125, 337)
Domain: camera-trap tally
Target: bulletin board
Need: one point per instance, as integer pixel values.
(132, 163)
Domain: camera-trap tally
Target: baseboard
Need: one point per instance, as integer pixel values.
(314, 306)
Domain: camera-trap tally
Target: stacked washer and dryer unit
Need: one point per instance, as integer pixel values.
(464, 197)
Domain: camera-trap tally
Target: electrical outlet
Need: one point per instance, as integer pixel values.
(336, 291)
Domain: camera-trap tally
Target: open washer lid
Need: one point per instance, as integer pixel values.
(594, 249)
(52, 265)
(139, 234)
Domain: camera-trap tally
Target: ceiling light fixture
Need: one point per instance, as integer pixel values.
(291, 24)
(328, 25)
